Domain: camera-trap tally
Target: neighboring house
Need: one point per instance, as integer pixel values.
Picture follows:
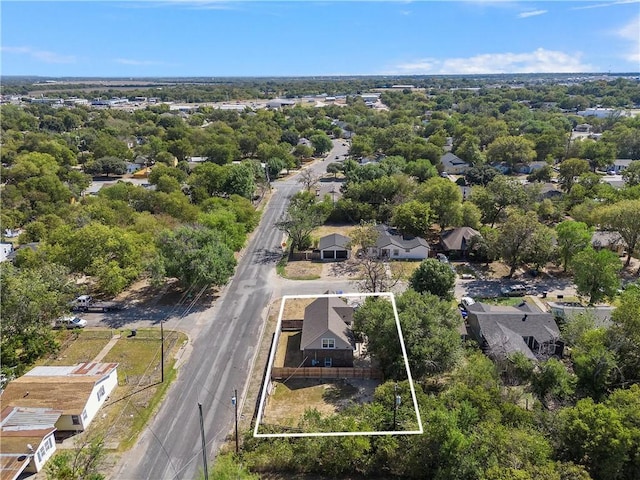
(550, 191)
(453, 164)
(531, 167)
(326, 338)
(5, 249)
(609, 240)
(305, 141)
(568, 310)
(503, 168)
(27, 440)
(133, 167)
(456, 242)
(621, 165)
(77, 391)
(14, 253)
(334, 247)
(502, 330)
(391, 245)
(583, 127)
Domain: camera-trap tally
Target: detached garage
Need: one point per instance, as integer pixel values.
(334, 247)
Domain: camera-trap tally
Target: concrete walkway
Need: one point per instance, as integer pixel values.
(107, 347)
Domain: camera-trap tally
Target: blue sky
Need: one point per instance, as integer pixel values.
(270, 38)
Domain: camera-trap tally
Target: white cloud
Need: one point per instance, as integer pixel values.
(532, 13)
(607, 4)
(631, 33)
(41, 55)
(538, 61)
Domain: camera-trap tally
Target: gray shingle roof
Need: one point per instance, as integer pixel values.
(450, 160)
(388, 236)
(326, 314)
(333, 240)
(458, 238)
(502, 326)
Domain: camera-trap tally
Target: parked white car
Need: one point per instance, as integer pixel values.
(71, 322)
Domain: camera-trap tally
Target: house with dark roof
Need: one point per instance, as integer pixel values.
(392, 245)
(77, 391)
(326, 338)
(27, 440)
(451, 163)
(334, 247)
(504, 330)
(456, 241)
(610, 240)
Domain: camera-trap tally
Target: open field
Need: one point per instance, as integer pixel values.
(403, 270)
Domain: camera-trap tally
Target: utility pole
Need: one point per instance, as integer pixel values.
(396, 404)
(234, 402)
(204, 444)
(161, 352)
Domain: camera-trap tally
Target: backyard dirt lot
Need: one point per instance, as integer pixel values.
(290, 399)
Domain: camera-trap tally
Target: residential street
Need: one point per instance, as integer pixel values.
(224, 340)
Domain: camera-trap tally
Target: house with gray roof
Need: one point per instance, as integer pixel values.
(326, 338)
(456, 241)
(504, 330)
(610, 240)
(334, 247)
(392, 245)
(451, 163)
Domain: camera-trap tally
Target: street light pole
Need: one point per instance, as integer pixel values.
(234, 402)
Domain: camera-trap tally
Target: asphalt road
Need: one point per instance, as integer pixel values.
(224, 342)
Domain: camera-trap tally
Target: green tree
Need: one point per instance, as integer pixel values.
(230, 467)
(444, 198)
(573, 237)
(334, 168)
(598, 153)
(430, 333)
(552, 383)
(623, 217)
(84, 462)
(511, 150)
(625, 334)
(106, 166)
(195, 256)
(321, 143)
(421, 169)
(31, 299)
(500, 193)
(596, 273)
(302, 217)
(631, 174)
(435, 277)
(570, 170)
(515, 238)
(471, 216)
(594, 435)
(412, 218)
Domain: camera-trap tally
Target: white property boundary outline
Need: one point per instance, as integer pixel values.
(274, 346)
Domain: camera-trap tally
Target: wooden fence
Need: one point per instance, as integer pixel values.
(325, 372)
(291, 325)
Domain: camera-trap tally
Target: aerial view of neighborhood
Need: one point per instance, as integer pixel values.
(300, 240)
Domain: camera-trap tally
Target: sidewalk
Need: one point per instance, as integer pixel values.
(107, 347)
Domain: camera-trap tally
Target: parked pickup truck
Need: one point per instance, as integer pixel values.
(86, 303)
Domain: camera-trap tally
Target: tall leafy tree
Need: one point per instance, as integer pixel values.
(596, 273)
(302, 217)
(196, 256)
(434, 277)
(444, 198)
(500, 193)
(573, 237)
(624, 218)
(511, 150)
(516, 236)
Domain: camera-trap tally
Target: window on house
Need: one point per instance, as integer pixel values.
(75, 419)
(328, 343)
(84, 415)
(328, 361)
(39, 455)
(101, 392)
(407, 250)
(396, 252)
